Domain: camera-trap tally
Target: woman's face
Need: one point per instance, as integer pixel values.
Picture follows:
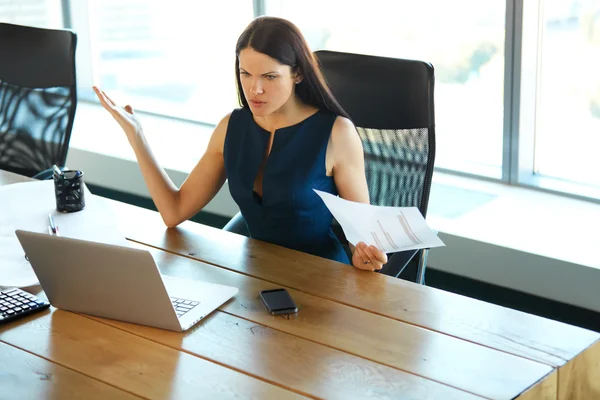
(267, 84)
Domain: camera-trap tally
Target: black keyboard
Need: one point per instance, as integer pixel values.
(182, 305)
(15, 303)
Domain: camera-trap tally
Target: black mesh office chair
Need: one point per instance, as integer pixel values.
(390, 102)
(37, 98)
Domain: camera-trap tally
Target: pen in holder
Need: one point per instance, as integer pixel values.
(68, 188)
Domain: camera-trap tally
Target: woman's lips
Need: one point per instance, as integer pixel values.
(257, 103)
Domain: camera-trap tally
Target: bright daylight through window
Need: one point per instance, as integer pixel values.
(468, 58)
(176, 58)
(568, 117)
(169, 57)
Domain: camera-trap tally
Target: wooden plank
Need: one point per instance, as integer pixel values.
(293, 362)
(457, 363)
(25, 376)
(536, 338)
(547, 389)
(129, 362)
(580, 377)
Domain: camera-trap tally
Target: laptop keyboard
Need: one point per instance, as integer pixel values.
(15, 303)
(182, 305)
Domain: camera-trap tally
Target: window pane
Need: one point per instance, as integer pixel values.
(38, 13)
(175, 58)
(568, 120)
(464, 40)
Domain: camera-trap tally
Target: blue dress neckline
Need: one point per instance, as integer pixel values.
(284, 128)
(287, 129)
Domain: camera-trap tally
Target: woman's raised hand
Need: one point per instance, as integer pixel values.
(123, 115)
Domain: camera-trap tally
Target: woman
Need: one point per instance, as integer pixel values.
(290, 137)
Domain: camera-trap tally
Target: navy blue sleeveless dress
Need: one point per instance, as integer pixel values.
(289, 213)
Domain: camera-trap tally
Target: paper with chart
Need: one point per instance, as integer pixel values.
(390, 229)
(26, 206)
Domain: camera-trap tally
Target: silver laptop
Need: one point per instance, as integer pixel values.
(117, 282)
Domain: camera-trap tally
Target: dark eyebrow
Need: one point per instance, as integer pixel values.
(266, 73)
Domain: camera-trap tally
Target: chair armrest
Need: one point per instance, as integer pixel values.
(397, 262)
(237, 224)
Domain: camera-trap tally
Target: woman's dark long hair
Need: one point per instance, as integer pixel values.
(283, 41)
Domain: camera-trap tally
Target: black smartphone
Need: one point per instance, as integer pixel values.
(278, 301)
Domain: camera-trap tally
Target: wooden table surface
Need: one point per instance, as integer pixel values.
(356, 335)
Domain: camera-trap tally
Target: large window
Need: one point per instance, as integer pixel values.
(463, 39)
(567, 138)
(517, 88)
(175, 58)
(38, 13)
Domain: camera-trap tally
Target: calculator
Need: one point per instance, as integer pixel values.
(15, 303)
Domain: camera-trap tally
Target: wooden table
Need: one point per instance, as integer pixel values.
(356, 335)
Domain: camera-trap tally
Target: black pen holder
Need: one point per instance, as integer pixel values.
(68, 188)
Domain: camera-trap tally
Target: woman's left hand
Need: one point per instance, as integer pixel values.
(368, 258)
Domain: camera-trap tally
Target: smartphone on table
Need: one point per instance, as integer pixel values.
(278, 301)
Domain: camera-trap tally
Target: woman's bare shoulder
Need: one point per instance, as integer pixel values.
(343, 132)
(217, 139)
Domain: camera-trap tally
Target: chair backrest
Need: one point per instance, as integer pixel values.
(390, 102)
(37, 97)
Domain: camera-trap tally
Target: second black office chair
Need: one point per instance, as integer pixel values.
(37, 98)
(390, 102)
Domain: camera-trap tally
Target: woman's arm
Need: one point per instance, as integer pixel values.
(174, 205)
(348, 166)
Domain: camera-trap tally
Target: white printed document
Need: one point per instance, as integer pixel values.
(390, 229)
